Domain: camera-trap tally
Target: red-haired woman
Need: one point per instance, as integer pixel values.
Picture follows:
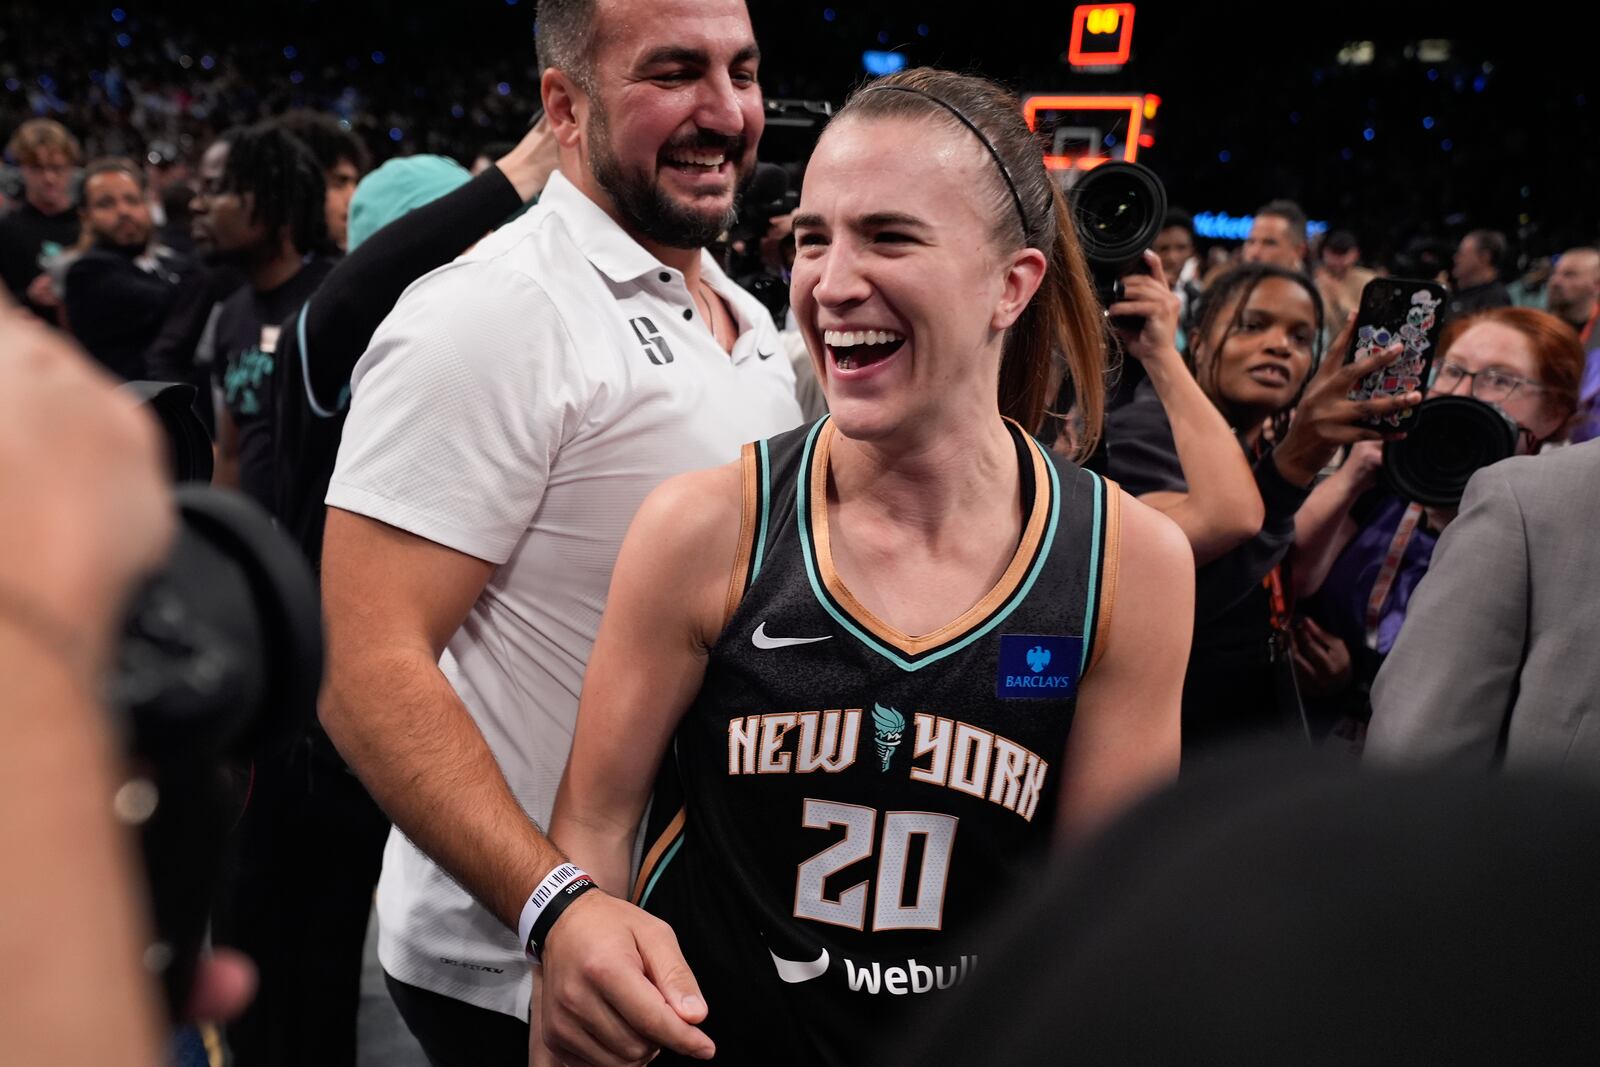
(1528, 364)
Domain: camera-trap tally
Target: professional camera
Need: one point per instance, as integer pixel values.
(1449, 440)
(1118, 209)
(219, 662)
(792, 129)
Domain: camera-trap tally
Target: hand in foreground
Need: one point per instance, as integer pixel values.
(82, 487)
(1327, 418)
(1149, 297)
(615, 989)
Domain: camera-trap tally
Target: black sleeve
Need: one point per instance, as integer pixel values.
(171, 356)
(1228, 579)
(340, 320)
(1141, 455)
(102, 292)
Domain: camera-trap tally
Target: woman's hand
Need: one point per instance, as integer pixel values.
(1150, 298)
(1360, 468)
(615, 989)
(1321, 660)
(1327, 418)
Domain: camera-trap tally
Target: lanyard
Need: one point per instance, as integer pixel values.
(1384, 583)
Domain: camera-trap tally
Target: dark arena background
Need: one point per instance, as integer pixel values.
(1399, 125)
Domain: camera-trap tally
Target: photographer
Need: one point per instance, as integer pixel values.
(87, 514)
(1527, 364)
(1253, 352)
(1219, 508)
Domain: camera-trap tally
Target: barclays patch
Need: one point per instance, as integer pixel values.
(1038, 667)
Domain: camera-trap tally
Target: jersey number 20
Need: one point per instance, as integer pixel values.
(890, 912)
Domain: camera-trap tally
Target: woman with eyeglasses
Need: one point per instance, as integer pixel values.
(1360, 549)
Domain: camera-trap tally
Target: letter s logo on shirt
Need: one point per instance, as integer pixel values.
(655, 346)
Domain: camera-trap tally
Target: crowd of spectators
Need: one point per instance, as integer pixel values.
(183, 224)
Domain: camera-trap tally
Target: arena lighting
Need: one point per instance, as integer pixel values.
(1107, 27)
(881, 63)
(1221, 226)
(1132, 106)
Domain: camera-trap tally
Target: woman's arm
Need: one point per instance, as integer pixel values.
(1323, 526)
(1221, 508)
(1125, 735)
(665, 609)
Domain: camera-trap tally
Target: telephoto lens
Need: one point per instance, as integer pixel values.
(1118, 209)
(1450, 439)
(219, 664)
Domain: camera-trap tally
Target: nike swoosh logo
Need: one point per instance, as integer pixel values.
(764, 355)
(761, 640)
(793, 971)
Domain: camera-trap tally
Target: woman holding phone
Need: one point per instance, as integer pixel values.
(1255, 353)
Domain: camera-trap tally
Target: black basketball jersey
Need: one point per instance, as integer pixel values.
(855, 801)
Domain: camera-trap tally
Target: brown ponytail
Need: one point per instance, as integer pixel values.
(1064, 316)
(1026, 203)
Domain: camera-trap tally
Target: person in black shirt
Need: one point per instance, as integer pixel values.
(1253, 351)
(1476, 273)
(119, 292)
(43, 225)
(261, 205)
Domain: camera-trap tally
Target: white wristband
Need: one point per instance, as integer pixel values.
(540, 898)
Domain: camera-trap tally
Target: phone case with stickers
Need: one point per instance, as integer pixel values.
(1394, 310)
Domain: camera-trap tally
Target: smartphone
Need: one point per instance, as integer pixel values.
(1401, 310)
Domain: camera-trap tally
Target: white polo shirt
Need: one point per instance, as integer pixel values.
(517, 405)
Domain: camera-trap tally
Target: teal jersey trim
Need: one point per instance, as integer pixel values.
(1094, 570)
(655, 876)
(801, 512)
(764, 461)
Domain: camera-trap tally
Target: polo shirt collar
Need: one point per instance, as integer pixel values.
(605, 244)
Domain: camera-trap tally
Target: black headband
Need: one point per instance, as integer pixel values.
(1005, 173)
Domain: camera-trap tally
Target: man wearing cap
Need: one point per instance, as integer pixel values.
(508, 419)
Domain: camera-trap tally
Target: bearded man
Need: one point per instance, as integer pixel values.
(506, 422)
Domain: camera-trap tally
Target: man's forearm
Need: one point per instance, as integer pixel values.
(400, 725)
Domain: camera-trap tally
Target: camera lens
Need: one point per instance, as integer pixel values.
(1118, 208)
(1451, 438)
(188, 444)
